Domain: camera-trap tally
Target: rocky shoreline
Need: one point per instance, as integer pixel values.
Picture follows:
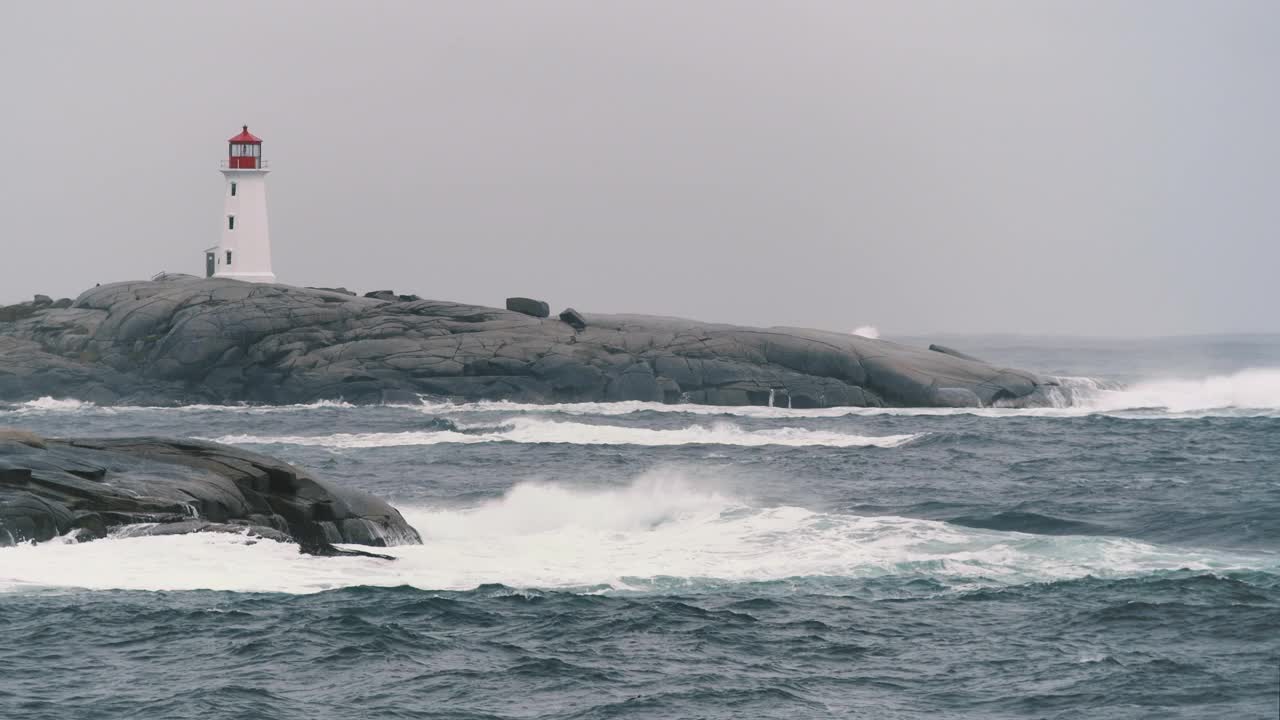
(179, 339)
(155, 486)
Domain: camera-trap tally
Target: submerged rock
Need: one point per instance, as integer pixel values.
(153, 486)
(182, 339)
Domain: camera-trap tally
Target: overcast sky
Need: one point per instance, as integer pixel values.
(1037, 167)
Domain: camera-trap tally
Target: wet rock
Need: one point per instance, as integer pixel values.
(669, 390)
(50, 487)
(636, 382)
(187, 527)
(955, 397)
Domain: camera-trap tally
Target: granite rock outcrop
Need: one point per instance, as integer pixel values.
(154, 486)
(182, 339)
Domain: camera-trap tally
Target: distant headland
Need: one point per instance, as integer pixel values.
(179, 339)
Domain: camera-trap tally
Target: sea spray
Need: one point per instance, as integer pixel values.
(537, 430)
(662, 525)
(1250, 392)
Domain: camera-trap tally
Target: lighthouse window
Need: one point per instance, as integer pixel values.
(233, 189)
(228, 257)
(231, 222)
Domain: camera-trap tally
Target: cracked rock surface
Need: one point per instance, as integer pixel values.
(153, 486)
(182, 339)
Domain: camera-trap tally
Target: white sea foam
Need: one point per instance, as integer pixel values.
(663, 528)
(867, 331)
(53, 405)
(49, 405)
(539, 430)
(1254, 392)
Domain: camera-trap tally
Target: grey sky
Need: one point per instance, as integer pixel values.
(1066, 167)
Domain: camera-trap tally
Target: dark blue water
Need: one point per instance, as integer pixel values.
(1115, 559)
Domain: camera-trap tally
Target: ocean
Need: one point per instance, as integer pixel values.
(1117, 556)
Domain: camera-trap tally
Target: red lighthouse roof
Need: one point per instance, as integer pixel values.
(245, 136)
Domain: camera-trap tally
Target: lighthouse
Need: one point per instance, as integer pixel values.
(245, 250)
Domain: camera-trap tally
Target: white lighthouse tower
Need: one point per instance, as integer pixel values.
(245, 250)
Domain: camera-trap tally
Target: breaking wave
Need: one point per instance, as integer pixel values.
(1247, 393)
(537, 430)
(1254, 391)
(662, 530)
(50, 405)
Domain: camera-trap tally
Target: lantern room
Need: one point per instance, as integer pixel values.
(245, 151)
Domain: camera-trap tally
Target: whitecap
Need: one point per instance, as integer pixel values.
(664, 525)
(538, 430)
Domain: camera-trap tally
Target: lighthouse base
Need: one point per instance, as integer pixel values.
(248, 276)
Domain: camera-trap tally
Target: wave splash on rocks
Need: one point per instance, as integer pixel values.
(89, 488)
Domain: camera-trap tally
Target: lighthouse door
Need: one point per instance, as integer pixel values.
(208, 264)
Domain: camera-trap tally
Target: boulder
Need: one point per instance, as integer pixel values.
(573, 318)
(339, 290)
(953, 353)
(42, 301)
(63, 303)
(388, 295)
(529, 306)
(51, 487)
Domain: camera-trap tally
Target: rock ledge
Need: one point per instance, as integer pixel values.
(181, 339)
(154, 486)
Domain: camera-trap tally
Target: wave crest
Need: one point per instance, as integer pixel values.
(48, 404)
(51, 405)
(1256, 389)
(1251, 392)
(664, 529)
